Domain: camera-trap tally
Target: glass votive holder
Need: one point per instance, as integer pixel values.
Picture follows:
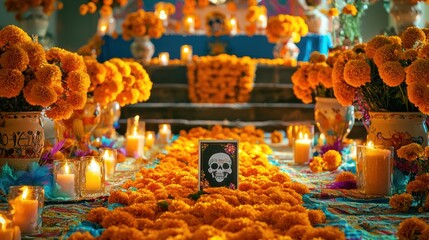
(374, 169)
(135, 137)
(164, 133)
(150, 139)
(109, 157)
(293, 131)
(92, 177)
(66, 175)
(27, 206)
(8, 231)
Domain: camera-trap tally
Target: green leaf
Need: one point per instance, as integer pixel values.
(197, 195)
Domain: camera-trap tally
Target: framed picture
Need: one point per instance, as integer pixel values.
(218, 164)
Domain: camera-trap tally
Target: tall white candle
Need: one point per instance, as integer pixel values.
(164, 57)
(186, 53)
(66, 181)
(26, 212)
(109, 157)
(164, 133)
(302, 149)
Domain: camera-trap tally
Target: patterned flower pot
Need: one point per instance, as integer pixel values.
(21, 138)
(142, 49)
(34, 21)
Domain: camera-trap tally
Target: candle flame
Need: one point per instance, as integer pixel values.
(189, 19)
(2, 223)
(233, 21)
(149, 135)
(262, 17)
(67, 169)
(186, 49)
(164, 127)
(106, 154)
(24, 192)
(103, 28)
(370, 144)
(94, 166)
(162, 14)
(306, 136)
(300, 135)
(136, 125)
(322, 136)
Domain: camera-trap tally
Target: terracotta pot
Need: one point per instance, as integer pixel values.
(21, 138)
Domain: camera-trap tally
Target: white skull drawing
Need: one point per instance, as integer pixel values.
(220, 166)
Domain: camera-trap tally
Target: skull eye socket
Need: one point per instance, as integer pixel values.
(225, 166)
(214, 166)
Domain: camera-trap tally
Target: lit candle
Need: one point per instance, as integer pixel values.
(93, 176)
(109, 156)
(233, 26)
(162, 14)
(103, 25)
(261, 22)
(190, 24)
(164, 133)
(66, 180)
(302, 149)
(186, 53)
(150, 139)
(134, 146)
(321, 140)
(6, 231)
(377, 171)
(164, 57)
(26, 211)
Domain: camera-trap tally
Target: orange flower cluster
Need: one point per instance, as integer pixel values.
(330, 161)
(313, 78)
(386, 73)
(291, 62)
(21, 6)
(253, 12)
(276, 137)
(285, 26)
(162, 204)
(413, 228)
(105, 6)
(221, 79)
(140, 24)
(92, 47)
(117, 80)
(417, 190)
(33, 79)
(350, 9)
(169, 8)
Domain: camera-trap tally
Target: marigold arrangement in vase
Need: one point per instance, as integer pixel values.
(385, 79)
(284, 30)
(33, 81)
(142, 26)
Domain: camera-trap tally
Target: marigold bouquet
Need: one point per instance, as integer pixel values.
(285, 26)
(313, 78)
(32, 79)
(386, 74)
(105, 6)
(21, 6)
(140, 24)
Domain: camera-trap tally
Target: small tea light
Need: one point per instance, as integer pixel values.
(302, 149)
(186, 53)
(109, 156)
(164, 133)
(92, 176)
(233, 26)
(321, 141)
(189, 24)
(66, 174)
(135, 135)
(27, 204)
(162, 14)
(261, 21)
(164, 58)
(7, 230)
(150, 139)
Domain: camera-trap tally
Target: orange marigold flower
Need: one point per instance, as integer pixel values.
(417, 186)
(386, 53)
(375, 43)
(83, 9)
(48, 74)
(96, 215)
(276, 137)
(298, 231)
(316, 216)
(412, 36)
(299, 188)
(43, 95)
(345, 177)
(54, 54)
(72, 62)
(76, 99)
(78, 81)
(344, 93)
(401, 202)
(426, 203)
(333, 12)
(36, 54)
(14, 58)
(411, 228)
(60, 110)
(11, 35)
(121, 232)
(357, 73)
(118, 197)
(81, 236)
(350, 9)
(317, 164)
(410, 152)
(105, 11)
(288, 220)
(91, 7)
(423, 52)
(409, 54)
(332, 158)
(324, 233)
(416, 70)
(11, 82)
(392, 73)
(117, 218)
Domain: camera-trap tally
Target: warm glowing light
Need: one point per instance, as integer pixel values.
(370, 144)
(189, 19)
(24, 192)
(233, 21)
(94, 166)
(162, 14)
(67, 169)
(103, 28)
(165, 127)
(2, 223)
(186, 49)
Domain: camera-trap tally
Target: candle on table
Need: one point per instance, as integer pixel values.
(190, 24)
(26, 211)
(302, 149)
(321, 140)
(377, 171)
(66, 180)
(8, 232)
(134, 146)
(150, 139)
(186, 53)
(261, 21)
(233, 26)
(164, 133)
(162, 14)
(109, 156)
(164, 57)
(93, 176)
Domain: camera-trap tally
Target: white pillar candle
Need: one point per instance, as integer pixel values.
(186, 53)
(164, 58)
(26, 212)
(66, 180)
(302, 149)
(135, 145)
(164, 133)
(109, 157)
